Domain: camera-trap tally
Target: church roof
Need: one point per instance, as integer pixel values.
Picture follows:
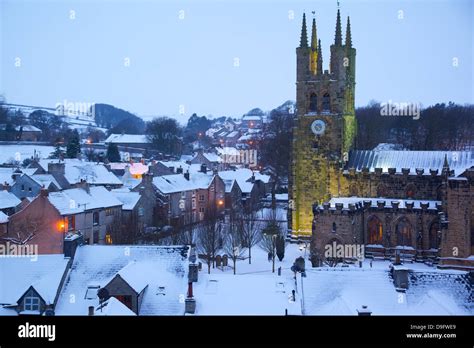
(458, 161)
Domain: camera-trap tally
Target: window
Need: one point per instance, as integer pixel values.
(374, 230)
(23, 187)
(71, 223)
(313, 103)
(212, 188)
(201, 209)
(141, 211)
(404, 232)
(108, 239)
(95, 218)
(183, 194)
(194, 203)
(334, 227)
(201, 198)
(91, 292)
(109, 211)
(434, 235)
(29, 189)
(326, 103)
(32, 303)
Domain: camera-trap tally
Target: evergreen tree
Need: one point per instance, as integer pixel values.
(73, 147)
(58, 151)
(113, 154)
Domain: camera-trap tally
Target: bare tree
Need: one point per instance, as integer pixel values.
(269, 235)
(250, 229)
(233, 240)
(209, 235)
(25, 231)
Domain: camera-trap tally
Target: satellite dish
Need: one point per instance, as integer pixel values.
(103, 294)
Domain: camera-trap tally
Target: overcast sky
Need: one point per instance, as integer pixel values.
(226, 57)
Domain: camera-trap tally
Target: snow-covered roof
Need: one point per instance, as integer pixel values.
(77, 170)
(3, 217)
(212, 157)
(43, 272)
(336, 291)
(78, 200)
(133, 273)
(127, 138)
(45, 180)
(178, 183)
(232, 134)
(129, 199)
(11, 153)
(113, 307)
(227, 151)
(244, 294)
(388, 202)
(458, 161)
(243, 176)
(251, 118)
(8, 200)
(163, 268)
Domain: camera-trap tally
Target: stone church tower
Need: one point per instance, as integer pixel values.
(325, 125)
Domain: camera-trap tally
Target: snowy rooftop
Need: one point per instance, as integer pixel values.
(127, 138)
(8, 200)
(3, 217)
(78, 200)
(43, 272)
(178, 183)
(113, 307)
(388, 202)
(27, 128)
(339, 291)
(45, 180)
(212, 157)
(10, 153)
(243, 176)
(77, 170)
(457, 160)
(129, 199)
(162, 268)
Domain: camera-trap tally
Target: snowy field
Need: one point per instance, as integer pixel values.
(11, 153)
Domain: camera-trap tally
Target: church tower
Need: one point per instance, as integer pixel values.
(325, 124)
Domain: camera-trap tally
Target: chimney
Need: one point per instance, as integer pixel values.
(84, 185)
(186, 175)
(44, 192)
(56, 168)
(179, 170)
(190, 302)
(91, 311)
(204, 168)
(364, 311)
(252, 178)
(215, 171)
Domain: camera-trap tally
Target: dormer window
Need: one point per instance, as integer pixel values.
(31, 303)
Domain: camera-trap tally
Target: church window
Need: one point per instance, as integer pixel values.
(326, 103)
(313, 103)
(404, 232)
(375, 230)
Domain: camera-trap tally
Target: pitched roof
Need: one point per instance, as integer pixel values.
(113, 307)
(8, 200)
(129, 199)
(45, 180)
(78, 200)
(157, 266)
(28, 128)
(457, 160)
(17, 274)
(3, 217)
(178, 183)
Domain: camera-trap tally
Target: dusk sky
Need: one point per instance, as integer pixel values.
(184, 53)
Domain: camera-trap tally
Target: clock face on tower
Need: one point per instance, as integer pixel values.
(318, 127)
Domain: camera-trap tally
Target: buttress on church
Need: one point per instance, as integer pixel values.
(414, 204)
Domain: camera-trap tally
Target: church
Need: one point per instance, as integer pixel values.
(414, 204)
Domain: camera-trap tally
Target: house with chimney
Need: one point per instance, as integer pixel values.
(71, 172)
(50, 219)
(185, 197)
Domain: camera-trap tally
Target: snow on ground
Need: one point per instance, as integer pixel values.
(10, 153)
(326, 290)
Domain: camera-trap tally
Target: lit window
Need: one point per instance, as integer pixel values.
(32, 304)
(108, 239)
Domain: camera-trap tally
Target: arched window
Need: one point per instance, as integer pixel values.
(404, 232)
(410, 191)
(313, 103)
(326, 103)
(374, 230)
(433, 235)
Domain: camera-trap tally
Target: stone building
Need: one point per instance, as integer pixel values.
(417, 202)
